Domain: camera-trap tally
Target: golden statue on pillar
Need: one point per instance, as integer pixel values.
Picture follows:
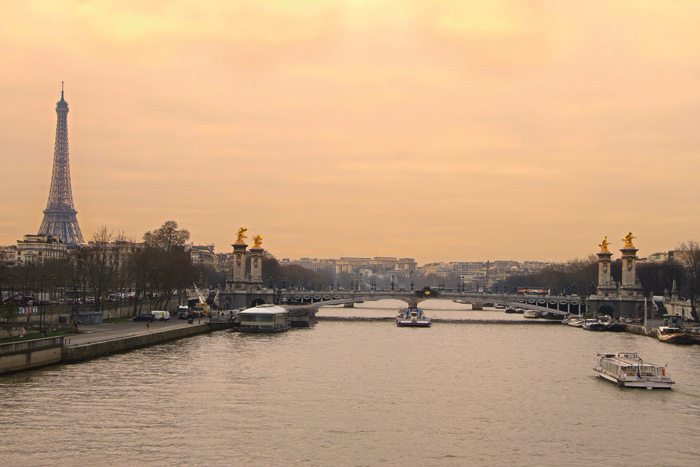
(604, 245)
(240, 236)
(628, 240)
(257, 240)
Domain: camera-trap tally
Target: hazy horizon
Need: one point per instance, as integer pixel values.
(441, 131)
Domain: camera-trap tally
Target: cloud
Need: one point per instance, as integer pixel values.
(425, 129)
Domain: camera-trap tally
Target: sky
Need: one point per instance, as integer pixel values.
(435, 130)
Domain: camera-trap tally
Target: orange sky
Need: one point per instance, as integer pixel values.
(438, 130)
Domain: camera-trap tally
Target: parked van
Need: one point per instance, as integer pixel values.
(161, 315)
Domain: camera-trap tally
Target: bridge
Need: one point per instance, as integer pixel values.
(312, 300)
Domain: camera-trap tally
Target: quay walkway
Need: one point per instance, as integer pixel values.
(95, 333)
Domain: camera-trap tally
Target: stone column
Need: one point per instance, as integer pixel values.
(604, 270)
(238, 274)
(630, 288)
(629, 267)
(606, 288)
(256, 265)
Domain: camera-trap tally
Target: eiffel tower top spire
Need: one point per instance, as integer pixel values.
(60, 216)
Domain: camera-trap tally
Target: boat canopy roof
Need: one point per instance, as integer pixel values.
(626, 359)
(264, 310)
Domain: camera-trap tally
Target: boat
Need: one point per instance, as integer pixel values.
(673, 331)
(611, 325)
(694, 332)
(615, 326)
(531, 314)
(593, 325)
(674, 335)
(573, 320)
(552, 315)
(629, 370)
(412, 317)
(576, 322)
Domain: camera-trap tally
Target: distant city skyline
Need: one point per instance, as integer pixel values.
(442, 131)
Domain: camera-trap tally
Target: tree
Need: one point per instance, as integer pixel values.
(167, 238)
(689, 257)
(139, 268)
(171, 265)
(99, 261)
(11, 297)
(577, 276)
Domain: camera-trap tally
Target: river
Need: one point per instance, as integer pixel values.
(359, 393)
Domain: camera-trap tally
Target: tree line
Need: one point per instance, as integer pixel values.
(111, 266)
(580, 276)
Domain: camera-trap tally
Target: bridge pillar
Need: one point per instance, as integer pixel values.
(629, 286)
(238, 267)
(605, 286)
(256, 266)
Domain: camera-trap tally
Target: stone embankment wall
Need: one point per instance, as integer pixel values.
(89, 351)
(18, 356)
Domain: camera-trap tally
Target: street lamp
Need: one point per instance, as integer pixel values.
(41, 304)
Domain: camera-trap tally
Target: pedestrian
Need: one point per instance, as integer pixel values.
(148, 325)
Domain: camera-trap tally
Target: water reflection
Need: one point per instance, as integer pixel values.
(358, 393)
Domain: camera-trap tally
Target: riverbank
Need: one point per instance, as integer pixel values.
(97, 347)
(97, 341)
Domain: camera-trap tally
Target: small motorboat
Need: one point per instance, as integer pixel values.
(593, 325)
(612, 325)
(574, 321)
(531, 314)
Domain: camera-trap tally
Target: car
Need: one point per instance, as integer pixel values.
(145, 317)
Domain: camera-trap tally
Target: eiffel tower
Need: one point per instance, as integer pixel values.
(60, 216)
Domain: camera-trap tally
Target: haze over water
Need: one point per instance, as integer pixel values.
(358, 393)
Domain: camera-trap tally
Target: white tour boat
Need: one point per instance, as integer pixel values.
(627, 369)
(412, 317)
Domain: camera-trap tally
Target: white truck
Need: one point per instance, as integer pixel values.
(183, 312)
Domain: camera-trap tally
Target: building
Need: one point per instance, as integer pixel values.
(8, 254)
(313, 264)
(204, 255)
(35, 249)
(351, 265)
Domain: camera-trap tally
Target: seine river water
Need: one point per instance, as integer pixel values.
(359, 393)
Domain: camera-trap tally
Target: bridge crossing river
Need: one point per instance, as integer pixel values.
(556, 304)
